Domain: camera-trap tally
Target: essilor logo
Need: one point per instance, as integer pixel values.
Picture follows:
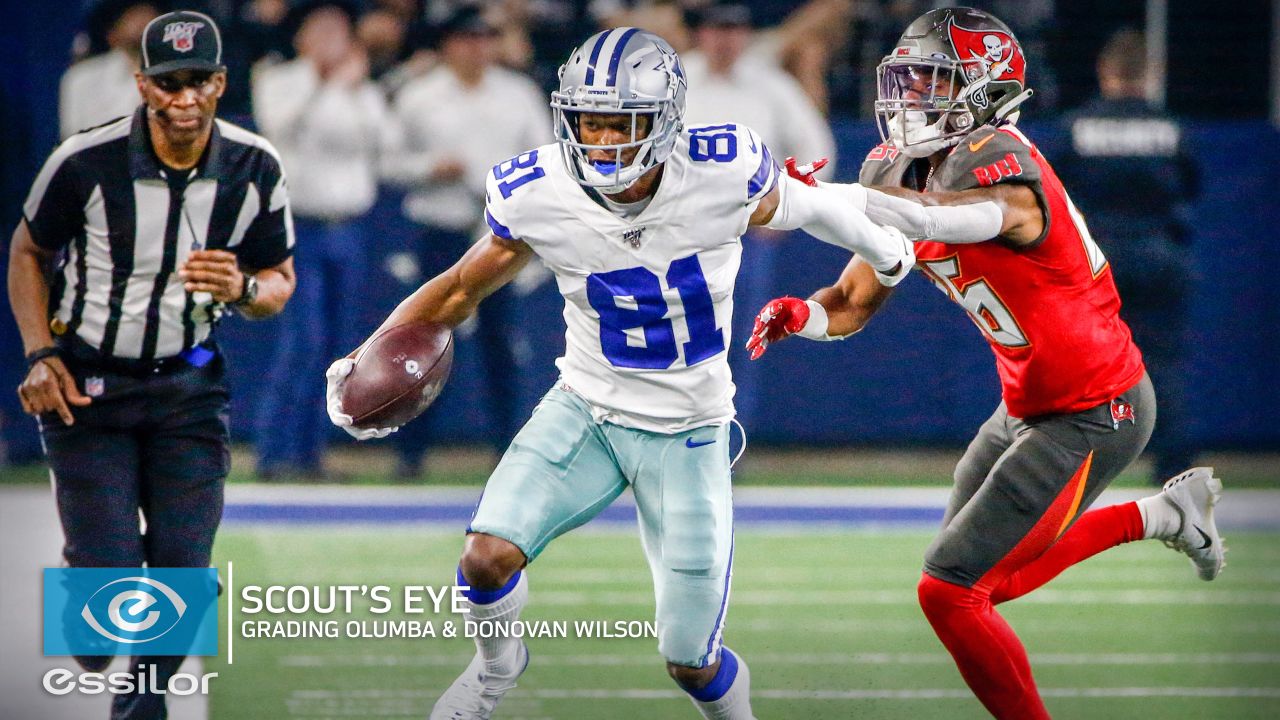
(131, 612)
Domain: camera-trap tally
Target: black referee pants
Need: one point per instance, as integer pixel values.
(155, 444)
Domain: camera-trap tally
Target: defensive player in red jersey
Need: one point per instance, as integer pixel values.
(998, 234)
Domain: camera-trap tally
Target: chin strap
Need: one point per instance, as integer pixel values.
(1011, 107)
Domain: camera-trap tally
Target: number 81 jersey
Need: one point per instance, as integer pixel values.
(647, 299)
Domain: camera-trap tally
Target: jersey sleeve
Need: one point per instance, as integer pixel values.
(54, 209)
(496, 211)
(762, 171)
(734, 160)
(988, 157)
(508, 197)
(269, 239)
(877, 165)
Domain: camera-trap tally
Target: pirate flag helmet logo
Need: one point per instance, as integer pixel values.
(987, 56)
(951, 71)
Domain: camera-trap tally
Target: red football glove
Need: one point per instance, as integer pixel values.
(805, 173)
(777, 319)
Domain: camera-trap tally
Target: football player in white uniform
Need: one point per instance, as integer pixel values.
(639, 219)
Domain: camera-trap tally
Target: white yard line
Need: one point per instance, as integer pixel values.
(350, 660)
(788, 694)
(907, 596)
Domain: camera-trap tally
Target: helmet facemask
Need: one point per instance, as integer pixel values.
(653, 136)
(920, 107)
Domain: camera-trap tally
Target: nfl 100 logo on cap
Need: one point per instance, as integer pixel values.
(181, 35)
(130, 611)
(182, 40)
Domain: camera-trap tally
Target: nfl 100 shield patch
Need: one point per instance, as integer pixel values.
(130, 611)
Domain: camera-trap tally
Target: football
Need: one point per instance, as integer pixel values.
(398, 374)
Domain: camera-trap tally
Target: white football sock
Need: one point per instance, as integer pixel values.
(728, 695)
(1160, 519)
(500, 653)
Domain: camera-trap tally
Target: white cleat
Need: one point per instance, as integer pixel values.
(1193, 494)
(475, 694)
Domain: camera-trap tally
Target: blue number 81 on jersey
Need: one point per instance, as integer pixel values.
(505, 169)
(638, 286)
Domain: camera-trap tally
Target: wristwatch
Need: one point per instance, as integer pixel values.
(248, 291)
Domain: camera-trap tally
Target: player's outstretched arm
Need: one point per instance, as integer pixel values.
(451, 297)
(832, 313)
(824, 214)
(975, 220)
(1022, 220)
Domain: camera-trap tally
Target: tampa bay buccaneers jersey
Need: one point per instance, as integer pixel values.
(648, 299)
(1049, 310)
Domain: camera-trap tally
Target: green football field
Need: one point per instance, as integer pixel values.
(827, 621)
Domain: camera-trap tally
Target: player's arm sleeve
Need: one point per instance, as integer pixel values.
(958, 224)
(976, 222)
(269, 239)
(829, 217)
(54, 209)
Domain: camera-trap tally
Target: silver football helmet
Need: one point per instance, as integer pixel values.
(971, 55)
(621, 71)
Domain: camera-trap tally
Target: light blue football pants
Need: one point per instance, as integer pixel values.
(563, 468)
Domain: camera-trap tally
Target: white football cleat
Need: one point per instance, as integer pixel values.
(475, 695)
(1193, 494)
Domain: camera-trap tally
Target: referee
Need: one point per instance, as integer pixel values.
(136, 236)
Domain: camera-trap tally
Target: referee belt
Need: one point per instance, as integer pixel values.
(83, 358)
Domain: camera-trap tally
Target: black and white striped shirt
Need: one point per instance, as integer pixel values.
(127, 224)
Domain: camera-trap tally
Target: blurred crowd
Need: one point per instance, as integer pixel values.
(829, 47)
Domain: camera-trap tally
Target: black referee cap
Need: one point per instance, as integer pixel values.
(182, 40)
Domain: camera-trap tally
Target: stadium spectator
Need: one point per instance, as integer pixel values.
(101, 87)
(1131, 176)
(332, 128)
(664, 17)
(551, 26)
(729, 83)
(385, 37)
(808, 41)
(460, 119)
(162, 219)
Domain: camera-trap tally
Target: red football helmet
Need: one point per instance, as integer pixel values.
(952, 70)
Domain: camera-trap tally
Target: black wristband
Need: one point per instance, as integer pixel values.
(36, 356)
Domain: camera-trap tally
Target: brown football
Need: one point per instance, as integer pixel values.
(398, 374)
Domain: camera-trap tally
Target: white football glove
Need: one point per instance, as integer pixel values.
(334, 378)
(907, 261)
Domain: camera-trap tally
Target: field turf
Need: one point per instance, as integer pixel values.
(827, 621)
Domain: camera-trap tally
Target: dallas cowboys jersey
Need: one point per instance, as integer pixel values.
(648, 299)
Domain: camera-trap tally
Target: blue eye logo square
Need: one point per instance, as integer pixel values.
(130, 611)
